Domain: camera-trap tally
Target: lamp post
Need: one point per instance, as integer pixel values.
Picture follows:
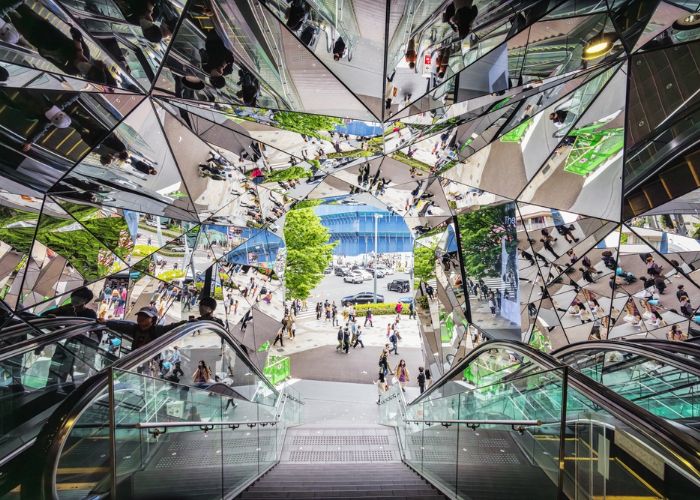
(376, 221)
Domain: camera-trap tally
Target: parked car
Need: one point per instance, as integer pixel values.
(366, 275)
(340, 271)
(361, 298)
(387, 270)
(380, 272)
(401, 286)
(353, 278)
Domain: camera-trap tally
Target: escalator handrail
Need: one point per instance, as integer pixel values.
(678, 439)
(49, 443)
(35, 324)
(653, 353)
(689, 348)
(48, 338)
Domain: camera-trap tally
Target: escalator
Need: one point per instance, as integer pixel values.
(142, 428)
(661, 377)
(509, 421)
(41, 363)
(34, 327)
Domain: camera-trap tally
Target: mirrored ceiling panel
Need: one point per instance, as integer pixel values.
(538, 158)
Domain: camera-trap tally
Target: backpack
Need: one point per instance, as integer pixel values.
(421, 378)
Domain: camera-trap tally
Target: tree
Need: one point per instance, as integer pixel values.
(481, 233)
(308, 252)
(423, 262)
(312, 125)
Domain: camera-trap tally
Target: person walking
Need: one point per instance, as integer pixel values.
(421, 379)
(334, 314)
(358, 338)
(402, 374)
(411, 310)
(340, 339)
(346, 339)
(202, 375)
(384, 361)
(319, 310)
(280, 337)
(353, 332)
(176, 361)
(394, 342)
(368, 318)
(381, 385)
(492, 304)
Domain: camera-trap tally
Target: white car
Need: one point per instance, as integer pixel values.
(354, 277)
(366, 275)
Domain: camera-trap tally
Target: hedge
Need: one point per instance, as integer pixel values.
(380, 308)
(171, 275)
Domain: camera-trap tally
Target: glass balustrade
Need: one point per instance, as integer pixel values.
(505, 422)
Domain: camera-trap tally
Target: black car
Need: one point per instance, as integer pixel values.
(401, 286)
(361, 298)
(340, 271)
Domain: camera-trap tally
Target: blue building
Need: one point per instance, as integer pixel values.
(352, 226)
(260, 249)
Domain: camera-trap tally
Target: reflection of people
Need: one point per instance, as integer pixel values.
(339, 49)
(202, 375)
(464, 15)
(206, 310)
(78, 299)
(558, 117)
(144, 330)
(411, 54)
(219, 60)
(146, 13)
(250, 87)
(70, 54)
(297, 13)
(47, 114)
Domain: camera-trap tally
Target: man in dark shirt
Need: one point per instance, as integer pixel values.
(207, 306)
(145, 329)
(78, 299)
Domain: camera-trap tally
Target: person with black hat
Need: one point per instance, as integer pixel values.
(217, 60)
(207, 306)
(144, 330)
(76, 307)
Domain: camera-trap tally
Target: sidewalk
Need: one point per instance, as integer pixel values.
(312, 333)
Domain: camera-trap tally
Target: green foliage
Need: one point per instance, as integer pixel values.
(313, 125)
(19, 238)
(481, 234)
(423, 263)
(287, 174)
(172, 274)
(412, 162)
(696, 231)
(113, 232)
(306, 204)
(357, 153)
(380, 309)
(308, 252)
(143, 250)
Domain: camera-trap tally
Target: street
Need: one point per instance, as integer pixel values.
(333, 288)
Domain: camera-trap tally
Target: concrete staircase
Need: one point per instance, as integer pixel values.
(369, 481)
(343, 462)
